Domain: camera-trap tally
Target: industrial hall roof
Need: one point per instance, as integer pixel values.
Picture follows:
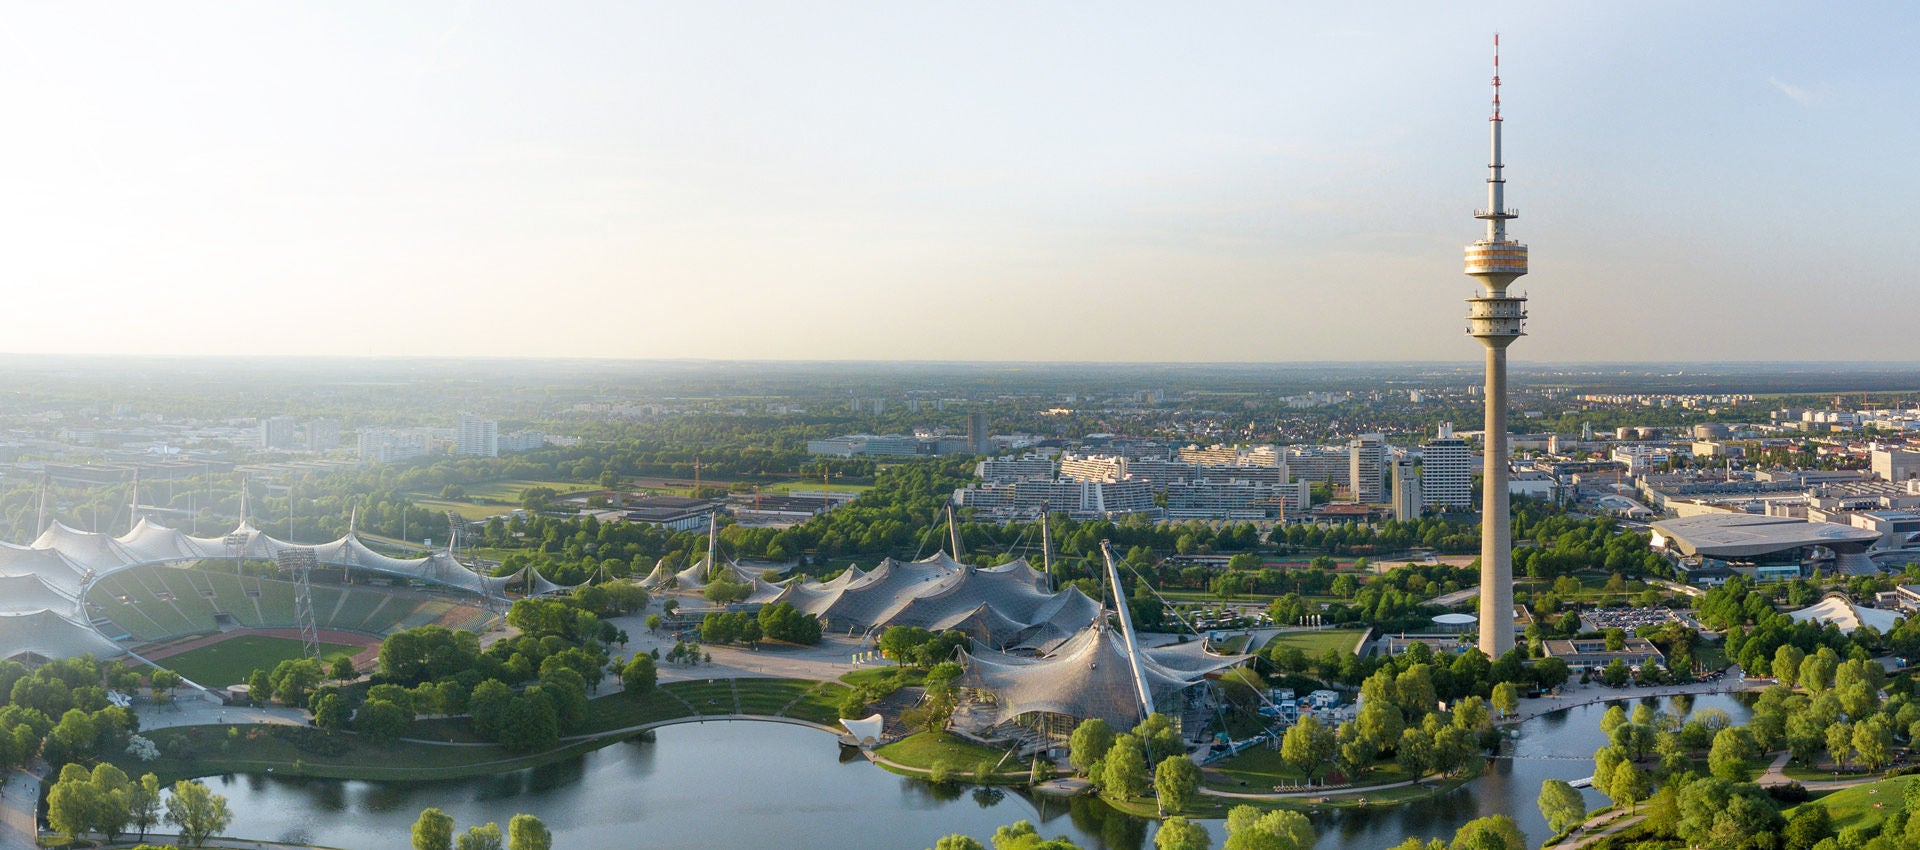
(1750, 535)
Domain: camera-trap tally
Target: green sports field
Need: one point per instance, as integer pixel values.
(231, 661)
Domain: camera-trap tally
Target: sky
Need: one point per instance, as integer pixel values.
(952, 181)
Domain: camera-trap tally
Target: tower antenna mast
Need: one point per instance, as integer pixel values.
(1496, 318)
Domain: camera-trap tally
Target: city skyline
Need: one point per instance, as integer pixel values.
(864, 183)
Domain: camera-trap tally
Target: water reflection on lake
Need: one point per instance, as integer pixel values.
(740, 784)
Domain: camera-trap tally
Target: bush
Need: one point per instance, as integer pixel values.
(940, 772)
(1792, 792)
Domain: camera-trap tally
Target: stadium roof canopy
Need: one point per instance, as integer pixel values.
(1741, 536)
(41, 583)
(1004, 607)
(1090, 675)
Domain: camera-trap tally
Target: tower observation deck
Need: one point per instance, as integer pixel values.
(1496, 318)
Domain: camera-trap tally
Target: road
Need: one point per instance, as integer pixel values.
(19, 816)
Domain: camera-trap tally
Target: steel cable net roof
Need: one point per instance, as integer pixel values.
(1003, 606)
(41, 583)
(698, 576)
(1088, 676)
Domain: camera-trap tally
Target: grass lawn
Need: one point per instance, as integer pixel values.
(467, 510)
(231, 661)
(1856, 806)
(820, 704)
(1261, 769)
(886, 679)
(509, 489)
(923, 749)
(786, 487)
(1316, 643)
(190, 751)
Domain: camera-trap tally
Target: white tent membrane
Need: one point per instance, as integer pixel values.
(1846, 614)
(1089, 676)
(1004, 607)
(25, 594)
(41, 584)
(49, 635)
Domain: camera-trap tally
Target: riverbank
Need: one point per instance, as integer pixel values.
(442, 749)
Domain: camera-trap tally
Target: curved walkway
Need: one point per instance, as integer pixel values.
(1316, 792)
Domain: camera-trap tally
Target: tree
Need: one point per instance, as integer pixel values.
(433, 830)
(639, 676)
(958, 842)
(143, 803)
(1561, 805)
(1786, 663)
(112, 800)
(384, 722)
(1498, 832)
(1089, 744)
(1177, 833)
(1840, 743)
(342, 669)
(1816, 671)
(530, 724)
(329, 711)
(1506, 698)
(162, 683)
(526, 832)
(1125, 773)
(1250, 829)
(1873, 742)
(488, 706)
(1727, 759)
(1627, 785)
(1615, 674)
(71, 802)
(1176, 779)
(1808, 825)
(481, 838)
(198, 813)
(1308, 746)
(292, 679)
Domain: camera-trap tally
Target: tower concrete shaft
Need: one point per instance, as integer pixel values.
(1496, 319)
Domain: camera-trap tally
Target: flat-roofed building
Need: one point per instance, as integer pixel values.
(1768, 543)
(1593, 654)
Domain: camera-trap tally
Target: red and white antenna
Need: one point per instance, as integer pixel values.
(1496, 76)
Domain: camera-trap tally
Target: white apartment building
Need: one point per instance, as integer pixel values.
(1367, 458)
(476, 436)
(1446, 472)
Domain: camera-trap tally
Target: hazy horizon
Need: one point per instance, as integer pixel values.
(849, 182)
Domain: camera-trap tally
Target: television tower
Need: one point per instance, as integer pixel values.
(1496, 319)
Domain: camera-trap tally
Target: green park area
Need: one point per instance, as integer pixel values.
(1260, 769)
(1316, 643)
(230, 661)
(1862, 805)
(943, 753)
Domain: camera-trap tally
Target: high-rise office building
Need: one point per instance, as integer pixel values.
(1446, 472)
(1496, 318)
(978, 440)
(476, 436)
(1366, 463)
